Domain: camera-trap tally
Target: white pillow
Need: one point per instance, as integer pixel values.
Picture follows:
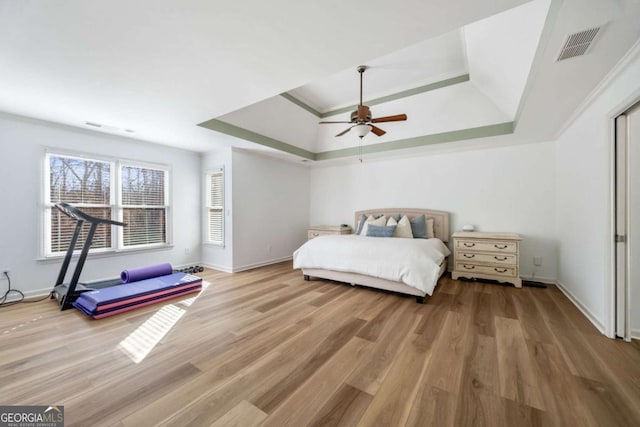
(380, 221)
(430, 233)
(392, 221)
(404, 228)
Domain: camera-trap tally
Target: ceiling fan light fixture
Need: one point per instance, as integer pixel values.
(361, 130)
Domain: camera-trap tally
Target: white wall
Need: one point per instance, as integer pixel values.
(267, 209)
(270, 209)
(22, 148)
(508, 189)
(583, 160)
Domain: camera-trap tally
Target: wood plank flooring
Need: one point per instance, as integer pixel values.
(266, 348)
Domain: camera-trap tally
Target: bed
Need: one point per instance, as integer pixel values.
(329, 257)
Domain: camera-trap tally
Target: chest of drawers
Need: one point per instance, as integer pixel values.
(322, 230)
(492, 256)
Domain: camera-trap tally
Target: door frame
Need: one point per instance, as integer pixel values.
(611, 294)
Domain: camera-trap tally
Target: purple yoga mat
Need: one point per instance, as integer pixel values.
(142, 273)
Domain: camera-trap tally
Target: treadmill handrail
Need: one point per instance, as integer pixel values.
(80, 218)
(77, 214)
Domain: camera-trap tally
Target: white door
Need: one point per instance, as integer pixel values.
(633, 219)
(628, 224)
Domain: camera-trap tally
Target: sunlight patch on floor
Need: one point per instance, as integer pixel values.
(189, 301)
(138, 344)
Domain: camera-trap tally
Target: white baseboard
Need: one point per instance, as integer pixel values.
(588, 314)
(247, 266)
(222, 268)
(261, 264)
(541, 279)
(635, 334)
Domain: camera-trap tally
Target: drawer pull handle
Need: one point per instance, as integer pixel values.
(469, 255)
(469, 245)
(501, 246)
(500, 270)
(500, 258)
(316, 234)
(469, 267)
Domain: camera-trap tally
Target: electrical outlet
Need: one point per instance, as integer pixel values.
(537, 261)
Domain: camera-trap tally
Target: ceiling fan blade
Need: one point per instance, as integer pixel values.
(344, 131)
(377, 130)
(396, 118)
(322, 123)
(363, 111)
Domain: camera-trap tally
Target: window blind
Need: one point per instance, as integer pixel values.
(132, 193)
(215, 207)
(84, 183)
(144, 208)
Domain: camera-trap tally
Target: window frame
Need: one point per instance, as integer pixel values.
(115, 196)
(208, 206)
(121, 207)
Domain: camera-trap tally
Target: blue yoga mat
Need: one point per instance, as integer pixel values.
(148, 272)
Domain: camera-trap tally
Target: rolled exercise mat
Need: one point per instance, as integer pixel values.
(148, 272)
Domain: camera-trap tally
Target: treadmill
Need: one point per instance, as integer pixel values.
(67, 293)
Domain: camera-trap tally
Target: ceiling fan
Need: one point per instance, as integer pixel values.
(361, 118)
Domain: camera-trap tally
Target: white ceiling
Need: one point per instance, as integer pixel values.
(426, 62)
(161, 67)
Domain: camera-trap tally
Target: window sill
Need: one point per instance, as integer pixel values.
(105, 254)
(216, 245)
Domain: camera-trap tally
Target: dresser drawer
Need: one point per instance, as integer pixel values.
(484, 258)
(326, 230)
(486, 246)
(315, 233)
(486, 269)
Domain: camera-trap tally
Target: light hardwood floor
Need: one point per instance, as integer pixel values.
(264, 347)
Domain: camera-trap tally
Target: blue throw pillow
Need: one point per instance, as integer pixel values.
(419, 227)
(363, 219)
(380, 230)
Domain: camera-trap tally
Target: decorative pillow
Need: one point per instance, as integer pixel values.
(362, 230)
(404, 228)
(371, 221)
(380, 230)
(361, 222)
(430, 232)
(419, 227)
(392, 221)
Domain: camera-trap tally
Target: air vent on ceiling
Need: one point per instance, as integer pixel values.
(108, 127)
(577, 44)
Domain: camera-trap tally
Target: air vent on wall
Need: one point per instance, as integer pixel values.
(577, 44)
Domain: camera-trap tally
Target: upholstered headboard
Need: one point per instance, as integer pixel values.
(440, 218)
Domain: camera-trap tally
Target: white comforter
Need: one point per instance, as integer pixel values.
(414, 262)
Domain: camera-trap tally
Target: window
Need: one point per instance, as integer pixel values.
(215, 207)
(143, 206)
(124, 191)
